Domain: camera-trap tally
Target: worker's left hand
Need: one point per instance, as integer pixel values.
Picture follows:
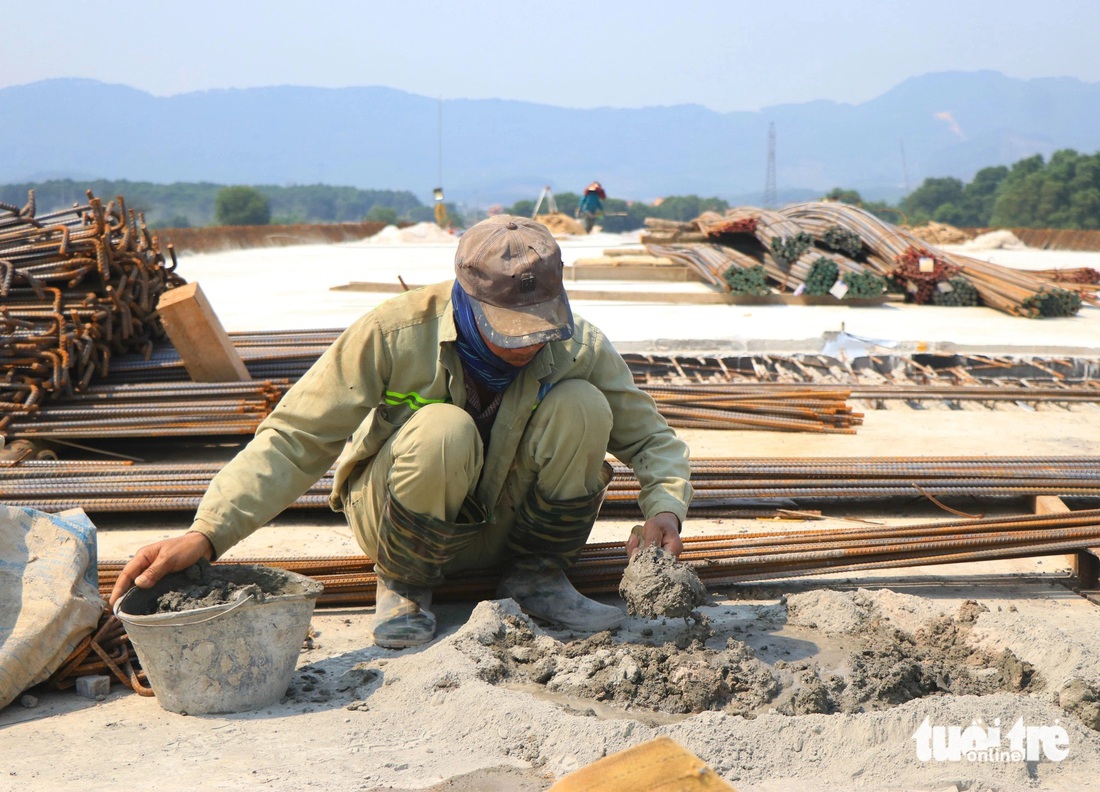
(662, 530)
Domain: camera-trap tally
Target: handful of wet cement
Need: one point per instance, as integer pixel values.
(657, 584)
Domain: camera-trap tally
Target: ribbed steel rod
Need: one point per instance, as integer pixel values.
(720, 484)
(722, 559)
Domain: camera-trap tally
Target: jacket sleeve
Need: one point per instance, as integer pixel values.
(641, 437)
(299, 440)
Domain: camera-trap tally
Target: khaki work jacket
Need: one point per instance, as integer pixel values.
(390, 363)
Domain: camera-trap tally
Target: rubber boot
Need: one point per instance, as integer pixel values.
(547, 594)
(402, 615)
(412, 549)
(547, 538)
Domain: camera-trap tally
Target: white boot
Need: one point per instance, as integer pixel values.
(548, 595)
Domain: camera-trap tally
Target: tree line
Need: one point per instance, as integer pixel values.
(186, 204)
(1063, 192)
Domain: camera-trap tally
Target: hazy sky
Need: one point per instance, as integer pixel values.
(724, 55)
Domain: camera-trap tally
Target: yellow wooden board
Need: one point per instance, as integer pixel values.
(660, 765)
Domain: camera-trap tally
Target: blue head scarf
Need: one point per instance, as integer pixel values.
(493, 372)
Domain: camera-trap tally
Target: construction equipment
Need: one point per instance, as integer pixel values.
(551, 205)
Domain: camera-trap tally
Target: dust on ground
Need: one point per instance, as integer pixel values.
(458, 714)
(656, 583)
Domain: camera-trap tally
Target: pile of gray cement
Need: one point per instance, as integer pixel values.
(883, 667)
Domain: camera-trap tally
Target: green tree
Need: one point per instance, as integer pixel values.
(382, 214)
(687, 207)
(920, 205)
(844, 196)
(241, 206)
(567, 202)
(522, 208)
(1015, 203)
(979, 196)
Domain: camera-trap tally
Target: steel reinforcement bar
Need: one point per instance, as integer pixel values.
(724, 560)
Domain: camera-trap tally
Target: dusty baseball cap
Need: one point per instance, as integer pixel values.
(511, 268)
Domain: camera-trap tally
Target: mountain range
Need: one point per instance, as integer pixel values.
(488, 151)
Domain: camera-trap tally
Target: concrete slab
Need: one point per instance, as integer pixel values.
(297, 282)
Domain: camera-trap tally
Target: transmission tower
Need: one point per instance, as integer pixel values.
(770, 193)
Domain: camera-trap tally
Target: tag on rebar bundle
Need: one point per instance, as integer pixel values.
(945, 287)
(927, 264)
(839, 289)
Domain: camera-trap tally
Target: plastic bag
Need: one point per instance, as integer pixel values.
(49, 593)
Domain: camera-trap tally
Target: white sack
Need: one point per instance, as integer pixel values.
(49, 593)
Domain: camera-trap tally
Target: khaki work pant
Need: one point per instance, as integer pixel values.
(433, 462)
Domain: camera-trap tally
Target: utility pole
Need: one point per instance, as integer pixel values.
(771, 197)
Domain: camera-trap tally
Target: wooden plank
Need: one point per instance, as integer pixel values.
(631, 272)
(660, 764)
(198, 336)
(622, 260)
(675, 298)
(1086, 562)
(681, 298)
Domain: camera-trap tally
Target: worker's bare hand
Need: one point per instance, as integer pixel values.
(154, 561)
(662, 530)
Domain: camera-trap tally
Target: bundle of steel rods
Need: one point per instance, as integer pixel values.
(789, 242)
(144, 405)
(78, 287)
(723, 560)
(723, 486)
(169, 409)
(791, 409)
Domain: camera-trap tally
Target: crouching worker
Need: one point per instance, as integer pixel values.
(479, 413)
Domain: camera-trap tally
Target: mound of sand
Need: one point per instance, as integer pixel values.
(940, 234)
(420, 233)
(559, 223)
(1002, 239)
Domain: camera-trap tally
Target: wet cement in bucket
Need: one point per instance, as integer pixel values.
(205, 585)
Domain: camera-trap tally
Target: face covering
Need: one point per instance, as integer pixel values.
(490, 370)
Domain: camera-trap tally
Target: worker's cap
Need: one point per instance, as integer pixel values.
(511, 269)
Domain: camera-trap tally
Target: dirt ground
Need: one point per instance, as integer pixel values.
(814, 683)
(820, 683)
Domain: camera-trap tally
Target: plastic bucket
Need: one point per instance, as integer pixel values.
(231, 657)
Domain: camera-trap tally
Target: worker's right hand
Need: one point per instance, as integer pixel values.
(154, 561)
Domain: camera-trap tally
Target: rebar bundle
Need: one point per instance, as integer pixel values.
(789, 409)
(723, 486)
(175, 409)
(791, 244)
(724, 560)
(78, 286)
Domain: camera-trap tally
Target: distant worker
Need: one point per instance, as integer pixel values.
(468, 422)
(591, 205)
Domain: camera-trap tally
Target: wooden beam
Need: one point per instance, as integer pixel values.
(198, 336)
(1085, 562)
(685, 298)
